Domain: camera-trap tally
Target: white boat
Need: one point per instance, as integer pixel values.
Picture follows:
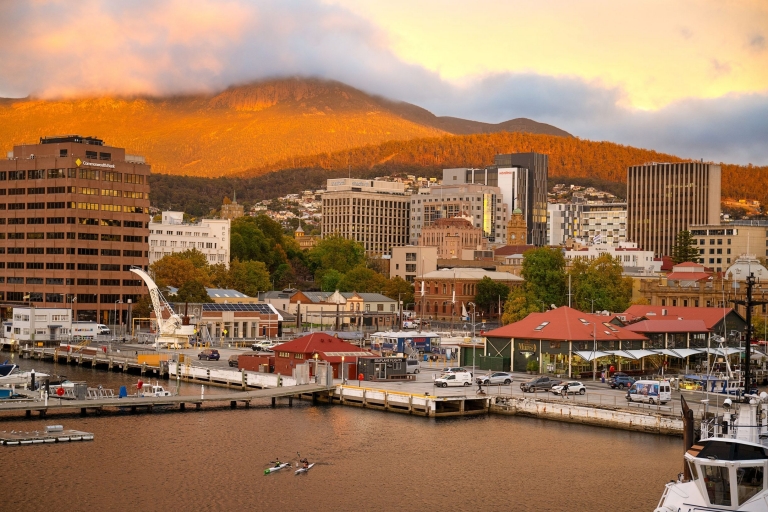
(727, 468)
(304, 470)
(153, 390)
(276, 468)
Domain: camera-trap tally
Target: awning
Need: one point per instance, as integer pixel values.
(686, 352)
(756, 354)
(621, 353)
(640, 353)
(589, 355)
(728, 351)
(665, 352)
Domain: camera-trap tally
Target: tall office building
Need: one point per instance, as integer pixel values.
(372, 212)
(666, 198)
(73, 216)
(522, 180)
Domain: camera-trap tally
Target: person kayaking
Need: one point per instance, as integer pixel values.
(277, 463)
(305, 462)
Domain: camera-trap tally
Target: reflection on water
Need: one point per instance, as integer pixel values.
(368, 460)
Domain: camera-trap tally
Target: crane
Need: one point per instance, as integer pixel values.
(171, 331)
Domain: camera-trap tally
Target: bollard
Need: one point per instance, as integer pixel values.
(202, 391)
(46, 398)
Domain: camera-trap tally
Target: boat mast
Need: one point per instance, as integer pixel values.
(749, 304)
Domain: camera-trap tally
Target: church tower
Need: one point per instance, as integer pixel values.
(516, 228)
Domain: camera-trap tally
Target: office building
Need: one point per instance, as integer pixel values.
(73, 214)
(410, 261)
(483, 204)
(522, 181)
(604, 223)
(666, 198)
(372, 212)
(720, 245)
(172, 234)
(563, 222)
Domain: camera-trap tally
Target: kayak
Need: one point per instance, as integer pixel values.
(276, 468)
(304, 470)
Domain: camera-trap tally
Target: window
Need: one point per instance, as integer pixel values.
(54, 266)
(54, 235)
(54, 220)
(87, 236)
(17, 175)
(54, 297)
(112, 176)
(35, 220)
(34, 265)
(36, 190)
(56, 204)
(36, 206)
(34, 280)
(136, 179)
(88, 191)
(87, 266)
(87, 222)
(717, 482)
(56, 173)
(110, 282)
(88, 174)
(134, 254)
(110, 238)
(84, 251)
(16, 191)
(16, 221)
(110, 222)
(15, 250)
(16, 236)
(54, 280)
(105, 156)
(110, 267)
(88, 206)
(35, 250)
(130, 238)
(110, 252)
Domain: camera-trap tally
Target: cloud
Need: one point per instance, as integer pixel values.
(57, 48)
(720, 68)
(757, 42)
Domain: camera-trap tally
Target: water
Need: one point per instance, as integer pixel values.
(367, 460)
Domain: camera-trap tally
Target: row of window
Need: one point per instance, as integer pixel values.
(85, 221)
(60, 281)
(80, 298)
(40, 265)
(55, 205)
(104, 237)
(183, 243)
(82, 251)
(85, 174)
(128, 194)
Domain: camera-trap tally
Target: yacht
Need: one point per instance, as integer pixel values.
(727, 468)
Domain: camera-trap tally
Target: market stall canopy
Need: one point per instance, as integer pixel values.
(590, 355)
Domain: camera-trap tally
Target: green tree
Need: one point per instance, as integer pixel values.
(175, 270)
(330, 280)
(599, 284)
(490, 293)
(336, 253)
(520, 303)
(397, 286)
(142, 308)
(685, 248)
(249, 277)
(544, 274)
(192, 291)
(362, 279)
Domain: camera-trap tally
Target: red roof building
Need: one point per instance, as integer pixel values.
(326, 347)
(717, 320)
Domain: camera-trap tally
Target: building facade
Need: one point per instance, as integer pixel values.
(483, 204)
(172, 234)
(74, 220)
(411, 261)
(633, 259)
(605, 223)
(452, 236)
(720, 245)
(666, 198)
(374, 213)
(230, 209)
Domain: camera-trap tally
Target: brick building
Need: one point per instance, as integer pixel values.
(451, 236)
(73, 216)
(325, 347)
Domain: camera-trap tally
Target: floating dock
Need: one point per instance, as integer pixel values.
(52, 434)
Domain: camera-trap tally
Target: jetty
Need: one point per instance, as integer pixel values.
(52, 434)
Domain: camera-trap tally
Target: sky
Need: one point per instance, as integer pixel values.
(684, 77)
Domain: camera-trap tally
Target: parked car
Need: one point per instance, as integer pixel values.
(209, 354)
(233, 360)
(573, 388)
(494, 378)
(454, 379)
(455, 369)
(411, 366)
(620, 380)
(259, 344)
(543, 383)
(651, 391)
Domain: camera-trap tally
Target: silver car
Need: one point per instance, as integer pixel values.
(495, 378)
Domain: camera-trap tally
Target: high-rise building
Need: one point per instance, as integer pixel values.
(372, 212)
(522, 182)
(666, 198)
(74, 221)
(172, 234)
(482, 204)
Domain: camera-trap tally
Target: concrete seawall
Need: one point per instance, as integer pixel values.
(588, 415)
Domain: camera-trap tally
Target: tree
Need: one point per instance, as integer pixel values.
(600, 285)
(192, 291)
(175, 270)
(544, 274)
(336, 253)
(397, 286)
(330, 280)
(249, 277)
(520, 303)
(143, 307)
(489, 293)
(362, 279)
(685, 248)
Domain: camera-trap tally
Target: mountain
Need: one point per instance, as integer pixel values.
(241, 128)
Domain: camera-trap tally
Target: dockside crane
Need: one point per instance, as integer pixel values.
(170, 331)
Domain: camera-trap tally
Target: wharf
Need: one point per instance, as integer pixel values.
(94, 358)
(18, 438)
(148, 404)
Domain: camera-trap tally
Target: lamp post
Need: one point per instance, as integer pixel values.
(594, 351)
(343, 372)
(130, 303)
(114, 318)
(473, 336)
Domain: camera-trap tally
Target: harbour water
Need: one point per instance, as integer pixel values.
(367, 460)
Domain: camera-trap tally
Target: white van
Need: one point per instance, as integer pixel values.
(411, 366)
(454, 379)
(650, 391)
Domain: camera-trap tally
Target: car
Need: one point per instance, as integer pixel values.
(573, 388)
(209, 354)
(411, 366)
(544, 383)
(494, 378)
(233, 360)
(621, 381)
(454, 379)
(454, 369)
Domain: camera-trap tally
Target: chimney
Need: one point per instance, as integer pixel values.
(663, 312)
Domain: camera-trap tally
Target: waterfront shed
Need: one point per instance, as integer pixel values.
(326, 347)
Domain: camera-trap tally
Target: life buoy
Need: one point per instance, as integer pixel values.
(60, 391)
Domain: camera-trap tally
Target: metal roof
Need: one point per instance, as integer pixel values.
(266, 309)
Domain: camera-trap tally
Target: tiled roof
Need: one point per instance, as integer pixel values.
(689, 276)
(670, 326)
(470, 273)
(564, 324)
(710, 316)
(690, 264)
(321, 343)
(512, 249)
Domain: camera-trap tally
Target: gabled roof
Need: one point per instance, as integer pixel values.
(475, 274)
(564, 324)
(710, 316)
(689, 276)
(668, 326)
(690, 264)
(324, 344)
(512, 249)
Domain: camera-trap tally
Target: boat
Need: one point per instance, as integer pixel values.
(153, 390)
(726, 468)
(276, 468)
(6, 369)
(304, 470)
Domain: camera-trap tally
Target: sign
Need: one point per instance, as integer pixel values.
(91, 164)
(526, 347)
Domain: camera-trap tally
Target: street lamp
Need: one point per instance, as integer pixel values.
(473, 336)
(594, 351)
(114, 318)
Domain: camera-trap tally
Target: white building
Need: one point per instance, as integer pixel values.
(563, 222)
(40, 324)
(634, 260)
(411, 261)
(172, 234)
(603, 223)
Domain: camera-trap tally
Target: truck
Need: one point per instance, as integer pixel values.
(89, 330)
(536, 383)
